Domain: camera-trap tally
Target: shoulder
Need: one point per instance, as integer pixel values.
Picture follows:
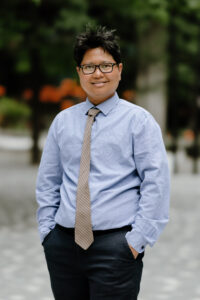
(136, 113)
(77, 108)
(69, 112)
(65, 116)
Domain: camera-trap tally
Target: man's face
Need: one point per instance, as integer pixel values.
(99, 86)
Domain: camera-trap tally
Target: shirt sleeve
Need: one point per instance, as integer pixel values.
(152, 167)
(48, 183)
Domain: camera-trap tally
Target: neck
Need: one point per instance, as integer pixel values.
(99, 101)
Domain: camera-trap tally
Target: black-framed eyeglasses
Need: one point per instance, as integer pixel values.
(104, 68)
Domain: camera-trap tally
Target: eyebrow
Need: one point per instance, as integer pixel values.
(103, 62)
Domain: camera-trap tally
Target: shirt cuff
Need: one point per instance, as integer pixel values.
(136, 240)
(43, 234)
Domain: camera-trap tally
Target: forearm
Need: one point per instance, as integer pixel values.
(153, 206)
(46, 212)
(48, 183)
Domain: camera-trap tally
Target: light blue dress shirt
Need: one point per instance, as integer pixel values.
(129, 176)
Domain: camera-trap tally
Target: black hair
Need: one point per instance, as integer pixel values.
(95, 37)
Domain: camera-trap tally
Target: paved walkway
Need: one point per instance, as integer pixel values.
(171, 267)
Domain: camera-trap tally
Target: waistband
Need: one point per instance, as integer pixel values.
(96, 232)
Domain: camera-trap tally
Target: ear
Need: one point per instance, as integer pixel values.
(78, 70)
(120, 67)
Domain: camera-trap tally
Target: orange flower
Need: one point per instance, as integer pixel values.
(188, 135)
(27, 94)
(2, 90)
(128, 95)
(78, 92)
(66, 104)
(49, 93)
(67, 87)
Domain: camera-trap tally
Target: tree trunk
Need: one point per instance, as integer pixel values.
(35, 118)
(151, 80)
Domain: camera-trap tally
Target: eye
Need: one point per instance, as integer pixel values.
(88, 67)
(106, 66)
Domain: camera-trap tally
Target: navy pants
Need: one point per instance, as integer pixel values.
(106, 270)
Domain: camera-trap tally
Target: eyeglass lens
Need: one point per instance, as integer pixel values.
(104, 68)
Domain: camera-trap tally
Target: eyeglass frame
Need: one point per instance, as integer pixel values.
(97, 66)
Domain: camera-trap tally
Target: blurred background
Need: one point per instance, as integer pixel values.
(160, 44)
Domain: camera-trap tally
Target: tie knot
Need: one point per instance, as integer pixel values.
(93, 112)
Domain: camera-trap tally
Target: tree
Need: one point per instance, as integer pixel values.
(36, 47)
(183, 71)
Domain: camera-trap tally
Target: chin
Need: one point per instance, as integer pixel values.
(99, 100)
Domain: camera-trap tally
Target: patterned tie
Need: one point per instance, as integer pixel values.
(83, 226)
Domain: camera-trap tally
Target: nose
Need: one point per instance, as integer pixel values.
(97, 72)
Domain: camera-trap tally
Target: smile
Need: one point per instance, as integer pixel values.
(99, 84)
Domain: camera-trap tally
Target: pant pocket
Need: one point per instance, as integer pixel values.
(122, 250)
(129, 252)
(47, 237)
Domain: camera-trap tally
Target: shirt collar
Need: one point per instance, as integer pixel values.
(105, 107)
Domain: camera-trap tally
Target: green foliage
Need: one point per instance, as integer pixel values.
(184, 63)
(194, 5)
(48, 28)
(68, 20)
(13, 113)
(22, 63)
(150, 11)
(37, 2)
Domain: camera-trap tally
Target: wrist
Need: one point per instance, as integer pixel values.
(135, 253)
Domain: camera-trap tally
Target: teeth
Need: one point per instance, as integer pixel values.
(99, 83)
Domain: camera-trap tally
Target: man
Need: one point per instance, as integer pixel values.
(103, 183)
